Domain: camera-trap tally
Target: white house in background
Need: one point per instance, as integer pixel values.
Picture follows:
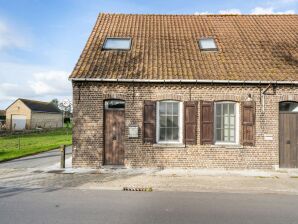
(30, 114)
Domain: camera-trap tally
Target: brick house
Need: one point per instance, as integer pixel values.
(30, 114)
(188, 91)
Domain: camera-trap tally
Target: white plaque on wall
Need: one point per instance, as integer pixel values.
(133, 131)
(268, 137)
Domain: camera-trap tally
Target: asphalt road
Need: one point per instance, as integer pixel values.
(77, 206)
(36, 161)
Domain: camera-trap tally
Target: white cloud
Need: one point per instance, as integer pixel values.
(50, 83)
(9, 38)
(202, 13)
(230, 11)
(32, 82)
(270, 10)
(286, 1)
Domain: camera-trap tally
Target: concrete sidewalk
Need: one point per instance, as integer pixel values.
(237, 181)
(192, 180)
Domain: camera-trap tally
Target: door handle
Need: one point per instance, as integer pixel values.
(288, 142)
(114, 138)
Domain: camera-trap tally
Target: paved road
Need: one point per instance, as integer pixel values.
(36, 161)
(109, 207)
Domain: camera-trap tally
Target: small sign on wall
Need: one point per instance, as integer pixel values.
(268, 137)
(133, 131)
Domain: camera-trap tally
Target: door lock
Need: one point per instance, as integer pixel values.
(114, 138)
(288, 142)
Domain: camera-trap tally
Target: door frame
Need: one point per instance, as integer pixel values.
(104, 130)
(279, 134)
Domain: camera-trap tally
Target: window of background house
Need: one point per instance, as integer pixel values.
(117, 44)
(226, 122)
(207, 44)
(169, 122)
(288, 107)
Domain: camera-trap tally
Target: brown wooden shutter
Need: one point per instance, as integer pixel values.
(207, 117)
(190, 122)
(248, 123)
(149, 122)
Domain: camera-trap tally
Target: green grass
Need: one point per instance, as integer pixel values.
(33, 143)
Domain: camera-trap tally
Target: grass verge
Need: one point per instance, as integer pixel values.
(16, 146)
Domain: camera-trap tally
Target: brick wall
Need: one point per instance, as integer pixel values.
(88, 125)
(46, 120)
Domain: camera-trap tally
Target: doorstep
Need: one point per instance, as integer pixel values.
(113, 167)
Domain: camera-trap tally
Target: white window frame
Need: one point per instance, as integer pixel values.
(180, 123)
(215, 48)
(237, 124)
(114, 48)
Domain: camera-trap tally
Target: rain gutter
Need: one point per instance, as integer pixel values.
(184, 81)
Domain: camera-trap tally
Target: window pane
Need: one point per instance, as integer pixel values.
(232, 109)
(175, 121)
(207, 44)
(288, 106)
(169, 135)
(175, 134)
(218, 122)
(225, 109)
(162, 121)
(162, 108)
(169, 108)
(114, 104)
(226, 134)
(175, 108)
(218, 109)
(218, 135)
(162, 134)
(169, 121)
(232, 120)
(232, 132)
(226, 121)
(117, 44)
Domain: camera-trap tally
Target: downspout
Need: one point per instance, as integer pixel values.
(263, 97)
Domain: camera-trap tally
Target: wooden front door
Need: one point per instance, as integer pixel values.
(288, 140)
(114, 137)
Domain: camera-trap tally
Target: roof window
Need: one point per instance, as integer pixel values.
(207, 44)
(117, 43)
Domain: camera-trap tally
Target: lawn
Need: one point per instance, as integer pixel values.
(15, 146)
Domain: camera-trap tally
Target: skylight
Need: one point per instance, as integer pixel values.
(207, 44)
(117, 44)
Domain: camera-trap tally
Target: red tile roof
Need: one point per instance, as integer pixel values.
(165, 47)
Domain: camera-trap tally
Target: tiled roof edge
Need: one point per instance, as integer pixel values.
(223, 15)
(185, 81)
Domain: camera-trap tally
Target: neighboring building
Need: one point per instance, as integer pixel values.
(2, 118)
(190, 91)
(31, 114)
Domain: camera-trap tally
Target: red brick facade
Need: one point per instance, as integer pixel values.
(88, 141)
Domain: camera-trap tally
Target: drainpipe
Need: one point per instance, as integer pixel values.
(263, 97)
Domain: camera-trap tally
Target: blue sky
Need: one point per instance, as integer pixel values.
(41, 40)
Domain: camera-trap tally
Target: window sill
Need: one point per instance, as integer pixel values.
(227, 146)
(170, 145)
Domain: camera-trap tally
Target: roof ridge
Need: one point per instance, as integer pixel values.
(205, 15)
(37, 101)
